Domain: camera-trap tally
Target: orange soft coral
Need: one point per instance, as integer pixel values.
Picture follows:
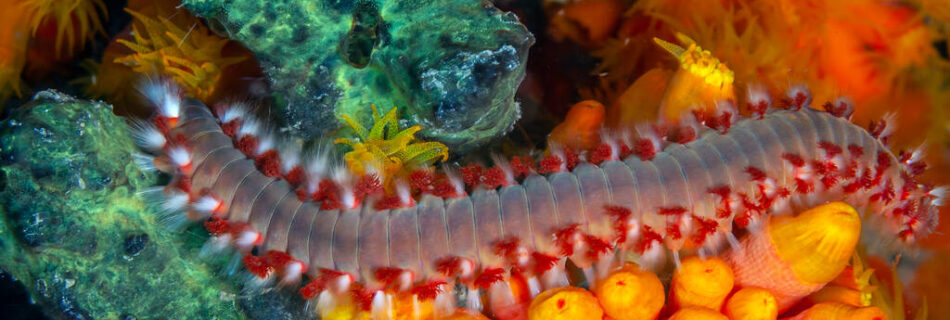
(13, 42)
(76, 20)
(183, 49)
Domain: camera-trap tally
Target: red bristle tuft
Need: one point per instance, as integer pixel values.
(494, 177)
(248, 145)
(743, 219)
(571, 158)
(917, 168)
(673, 231)
(672, 211)
(601, 153)
(507, 247)
(217, 226)
(183, 183)
(721, 123)
(522, 166)
(257, 266)
(295, 176)
(277, 259)
(564, 236)
(759, 108)
(550, 164)
(856, 150)
(448, 266)
(367, 184)
(829, 180)
(597, 247)
(162, 124)
(803, 186)
(724, 209)
(755, 174)
(794, 159)
(178, 140)
(311, 289)
(647, 239)
(362, 297)
(883, 161)
(269, 163)
(444, 189)
(876, 128)
(644, 149)
(387, 275)
(831, 149)
(543, 262)
(471, 175)
(488, 277)
(230, 128)
(625, 151)
(620, 215)
(421, 180)
(327, 275)
(388, 202)
(331, 202)
(886, 195)
(429, 290)
(705, 228)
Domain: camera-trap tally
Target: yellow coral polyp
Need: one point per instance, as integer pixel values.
(818, 243)
(698, 61)
(75, 20)
(751, 303)
(701, 283)
(699, 83)
(566, 303)
(384, 149)
(189, 54)
(631, 294)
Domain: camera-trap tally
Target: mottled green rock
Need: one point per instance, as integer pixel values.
(452, 66)
(76, 232)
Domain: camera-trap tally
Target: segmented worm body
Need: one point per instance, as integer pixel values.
(689, 196)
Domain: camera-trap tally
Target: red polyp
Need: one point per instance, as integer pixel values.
(295, 176)
(601, 153)
(430, 290)
(488, 277)
(522, 166)
(269, 163)
(444, 189)
(362, 296)
(217, 226)
(543, 262)
(248, 144)
(471, 175)
(644, 149)
(550, 164)
(257, 266)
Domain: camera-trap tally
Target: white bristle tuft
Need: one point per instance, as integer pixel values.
(249, 127)
(147, 136)
(215, 245)
(404, 193)
(246, 239)
(144, 162)
(293, 273)
(165, 95)
(289, 156)
(231, 112)
(757, 94)
(265, 143)
(174, 202)
(206, 204)
(848, 106)
(891, 124)
(940, 195)
(795, 90)
(502, 163)
(179, 156)
(454, 179)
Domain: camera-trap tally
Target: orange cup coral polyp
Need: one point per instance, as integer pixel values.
(701, 283)
(566, 303)
(631, 294)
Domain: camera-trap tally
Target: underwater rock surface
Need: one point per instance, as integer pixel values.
(452, 66)
(78, 234)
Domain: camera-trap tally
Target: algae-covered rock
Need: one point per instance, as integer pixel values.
(76, 232)
(452, 66)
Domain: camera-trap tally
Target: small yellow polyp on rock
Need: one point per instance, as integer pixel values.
(566, 303)
(840, 311)
(701, 283)
(697, 313)
(631, 294)
(819, 242)
(751, 303)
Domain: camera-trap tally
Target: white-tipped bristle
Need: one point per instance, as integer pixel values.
(246, 239)
(757, 93)
(292, 273)
(249, 127)
(800, 89)
(147, 136)
(473, 300)
(175, 201)
(645, 131)
(289, 156)
(265, 143)
(231, 112)
(454, 179)
(404, 193)
(654, 258)
(206, 204)
(215, 245)
(940, 195)
(891, 120)
(502, 163)
(164, 95)
(144, 162)
(723, 106)
(379, 308)
(179, 156)
(848, 106)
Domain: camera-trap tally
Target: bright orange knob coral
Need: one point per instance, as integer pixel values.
(587, 22)
(751, 303)
(581, 127)
(463, 314)
(631, 294)
(837, 310)
(701, 283)
(697, 313)
(566, 303)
